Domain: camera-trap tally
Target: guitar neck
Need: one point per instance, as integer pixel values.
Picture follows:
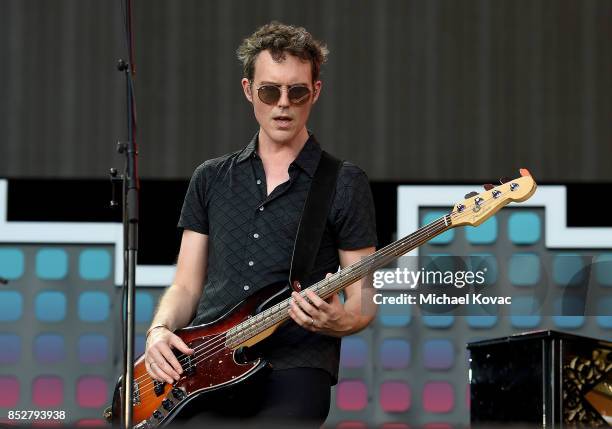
(325, 288)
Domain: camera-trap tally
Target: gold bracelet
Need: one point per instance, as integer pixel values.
(161, 325)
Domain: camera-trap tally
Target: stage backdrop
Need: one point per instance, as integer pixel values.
(414, 90)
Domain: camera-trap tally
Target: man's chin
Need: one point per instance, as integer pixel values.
(281, 135)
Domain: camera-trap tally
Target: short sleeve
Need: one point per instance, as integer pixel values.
(353, 213)
(194, 215)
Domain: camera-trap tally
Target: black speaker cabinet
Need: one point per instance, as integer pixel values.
(541, 379)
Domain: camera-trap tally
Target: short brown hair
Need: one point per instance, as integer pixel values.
(279, 39)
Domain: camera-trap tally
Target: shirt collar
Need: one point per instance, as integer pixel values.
(307, 159)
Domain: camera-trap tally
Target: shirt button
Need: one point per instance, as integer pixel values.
(251, 263)
(259, 181)
(255, 235)
(246, 287)
(261, 208)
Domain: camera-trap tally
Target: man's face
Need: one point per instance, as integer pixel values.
(281, 121)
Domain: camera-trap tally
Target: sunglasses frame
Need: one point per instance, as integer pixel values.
(280, 91)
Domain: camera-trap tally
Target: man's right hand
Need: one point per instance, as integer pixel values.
(160, 361)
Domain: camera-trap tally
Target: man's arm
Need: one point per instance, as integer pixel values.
(332, 317)
(176, 308)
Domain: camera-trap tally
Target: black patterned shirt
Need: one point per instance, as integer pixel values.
(251, 237)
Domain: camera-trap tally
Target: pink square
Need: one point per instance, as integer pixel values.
(437, 426)
(91, 392)
(351, 425)
(91, 423)
(48, 391)
(351, 395)
(394, 396)
(395, 426)
(438, 397)
(9, 392)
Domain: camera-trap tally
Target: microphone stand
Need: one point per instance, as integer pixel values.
(130, 196)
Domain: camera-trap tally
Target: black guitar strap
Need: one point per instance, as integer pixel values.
(314, 216)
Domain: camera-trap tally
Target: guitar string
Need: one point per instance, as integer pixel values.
(220, 339)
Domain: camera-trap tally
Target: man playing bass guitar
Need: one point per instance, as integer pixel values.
(240, 217)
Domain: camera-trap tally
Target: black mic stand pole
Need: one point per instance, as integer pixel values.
(131, 187)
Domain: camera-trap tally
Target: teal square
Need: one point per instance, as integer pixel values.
(11, 306)
(438, 322)
(525, 312)
(604, 313)
(444, 238)
(50, 306)
(11, 263)
(51, 264)
(94, 264)
(568, 269)
(486, 233)
(524, 269)
(568, 312)
(144, 307)
(485, 265)
(93, 306)
(524, 228)
(394, 315)
(603, 269)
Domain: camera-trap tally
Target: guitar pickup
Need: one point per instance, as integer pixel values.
(189, 367)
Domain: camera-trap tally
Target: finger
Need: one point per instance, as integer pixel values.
(170, 363)
(177, 342)
(154, 369)
(301, 318)
(161, 367)
(174, 363)
(316, 300)
(328, 275)
(305, 305)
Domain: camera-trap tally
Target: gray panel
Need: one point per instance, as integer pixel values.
(413, 91)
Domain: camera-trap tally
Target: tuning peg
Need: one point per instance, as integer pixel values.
(504, 180)
(471, 194)
(488, 186)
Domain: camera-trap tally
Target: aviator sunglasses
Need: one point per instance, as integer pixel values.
(270, 94)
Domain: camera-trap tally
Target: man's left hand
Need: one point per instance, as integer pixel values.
(318, 315)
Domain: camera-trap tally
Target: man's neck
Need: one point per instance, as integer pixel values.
(269, 149)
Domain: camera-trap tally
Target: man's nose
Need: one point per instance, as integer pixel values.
(283, 101)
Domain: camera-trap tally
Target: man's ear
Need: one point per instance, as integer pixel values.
(318, 85)
(246, 87)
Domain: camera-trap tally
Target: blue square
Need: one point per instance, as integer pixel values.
(93, 306)
(438, 354)
(568, 269)
(485, 233)
(354, 352)
(49, 348)
(394, 354)
(11, 306)
(444, 238)
(525, 312)
(10, 349)
(11, 263)
(94, 264)
(603, 269)
(394, 315)
(438, 322)
(50, 306)
(524, 228)
(524, 269)
(51, 264)
(144, 307)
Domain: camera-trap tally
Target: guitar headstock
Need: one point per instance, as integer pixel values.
(477, 208)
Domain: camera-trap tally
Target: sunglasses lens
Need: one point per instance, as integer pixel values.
(269, 94)
(298, 94)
